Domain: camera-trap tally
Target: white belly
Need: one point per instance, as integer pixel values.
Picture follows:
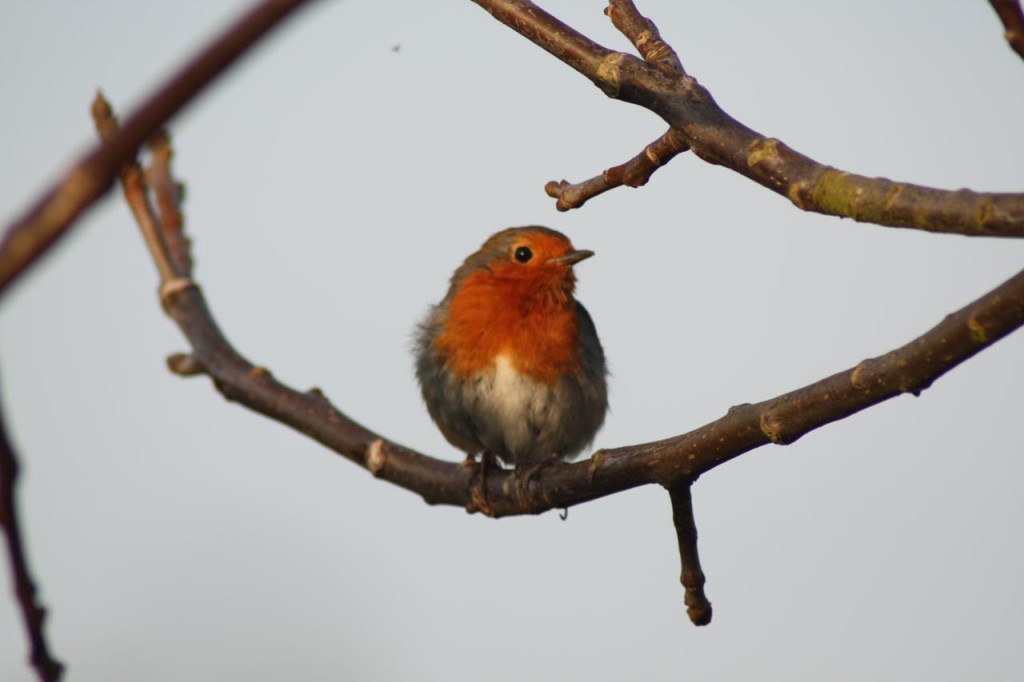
(516, 410)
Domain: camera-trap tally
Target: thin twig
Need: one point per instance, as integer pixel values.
(134, 185)
(1010, 14)
(716, 137)
(33, 614)
(31, 234)
(634, 173)
(698, 608)
(911, 368)
(645, 36)
(169, 195)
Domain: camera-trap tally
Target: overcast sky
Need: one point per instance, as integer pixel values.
(338, 176)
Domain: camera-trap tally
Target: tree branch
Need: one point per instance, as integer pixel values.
(716, 137)
(33, 614)
(1010, 14)
(698, 608)
(645, 36)
(911, 368)
(31, 235)
(634, 173)
(638, 170)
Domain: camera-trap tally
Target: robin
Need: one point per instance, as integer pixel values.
(509, 362)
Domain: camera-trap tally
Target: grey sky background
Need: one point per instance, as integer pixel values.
(333, 185)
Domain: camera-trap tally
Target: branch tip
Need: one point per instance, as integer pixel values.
(185, 365)
(634, 173)
(101, 109)
(691, 575)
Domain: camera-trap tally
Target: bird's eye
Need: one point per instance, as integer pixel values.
(523, 254)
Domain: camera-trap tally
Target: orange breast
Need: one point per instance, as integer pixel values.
(535, 330)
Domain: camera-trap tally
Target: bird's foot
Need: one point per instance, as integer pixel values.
(478, 484)
(524, 475)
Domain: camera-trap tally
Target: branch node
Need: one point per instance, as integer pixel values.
(800, 193)
(737, 408)
(185, 364)
(174, 286)
(774, 429)
(915, 389)
(597, 460)
(762, 153)
(644, 35)
(376, 459)
(609, 73)
(856, 380)
(979, 334)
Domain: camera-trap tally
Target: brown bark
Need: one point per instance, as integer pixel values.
(716, 137)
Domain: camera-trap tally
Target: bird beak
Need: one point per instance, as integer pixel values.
(571, 258)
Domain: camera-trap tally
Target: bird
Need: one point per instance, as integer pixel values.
(509, 362)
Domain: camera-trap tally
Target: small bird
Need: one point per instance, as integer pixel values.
(509, 362)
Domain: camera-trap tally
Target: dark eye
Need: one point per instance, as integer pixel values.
(523, 254)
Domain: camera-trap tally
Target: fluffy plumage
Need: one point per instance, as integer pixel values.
(509, 362)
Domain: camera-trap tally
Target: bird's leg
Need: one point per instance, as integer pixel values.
(478, 491)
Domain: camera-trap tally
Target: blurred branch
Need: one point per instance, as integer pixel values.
(1010, 14)
(911, 368)
(34, 615)
(716, 137)
(31, 234)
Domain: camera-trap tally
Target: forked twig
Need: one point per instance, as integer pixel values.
(716, 137)
(645, 36)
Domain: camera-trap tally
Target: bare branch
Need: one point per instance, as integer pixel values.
(169, 195)
(637, 171)
(47, 668)
(781, 420)
(698, 608)
(718, 138)
(645, 36)
(634, 173)
(135, 190)
(525, 18)
(1010, 14)
(30, 235)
